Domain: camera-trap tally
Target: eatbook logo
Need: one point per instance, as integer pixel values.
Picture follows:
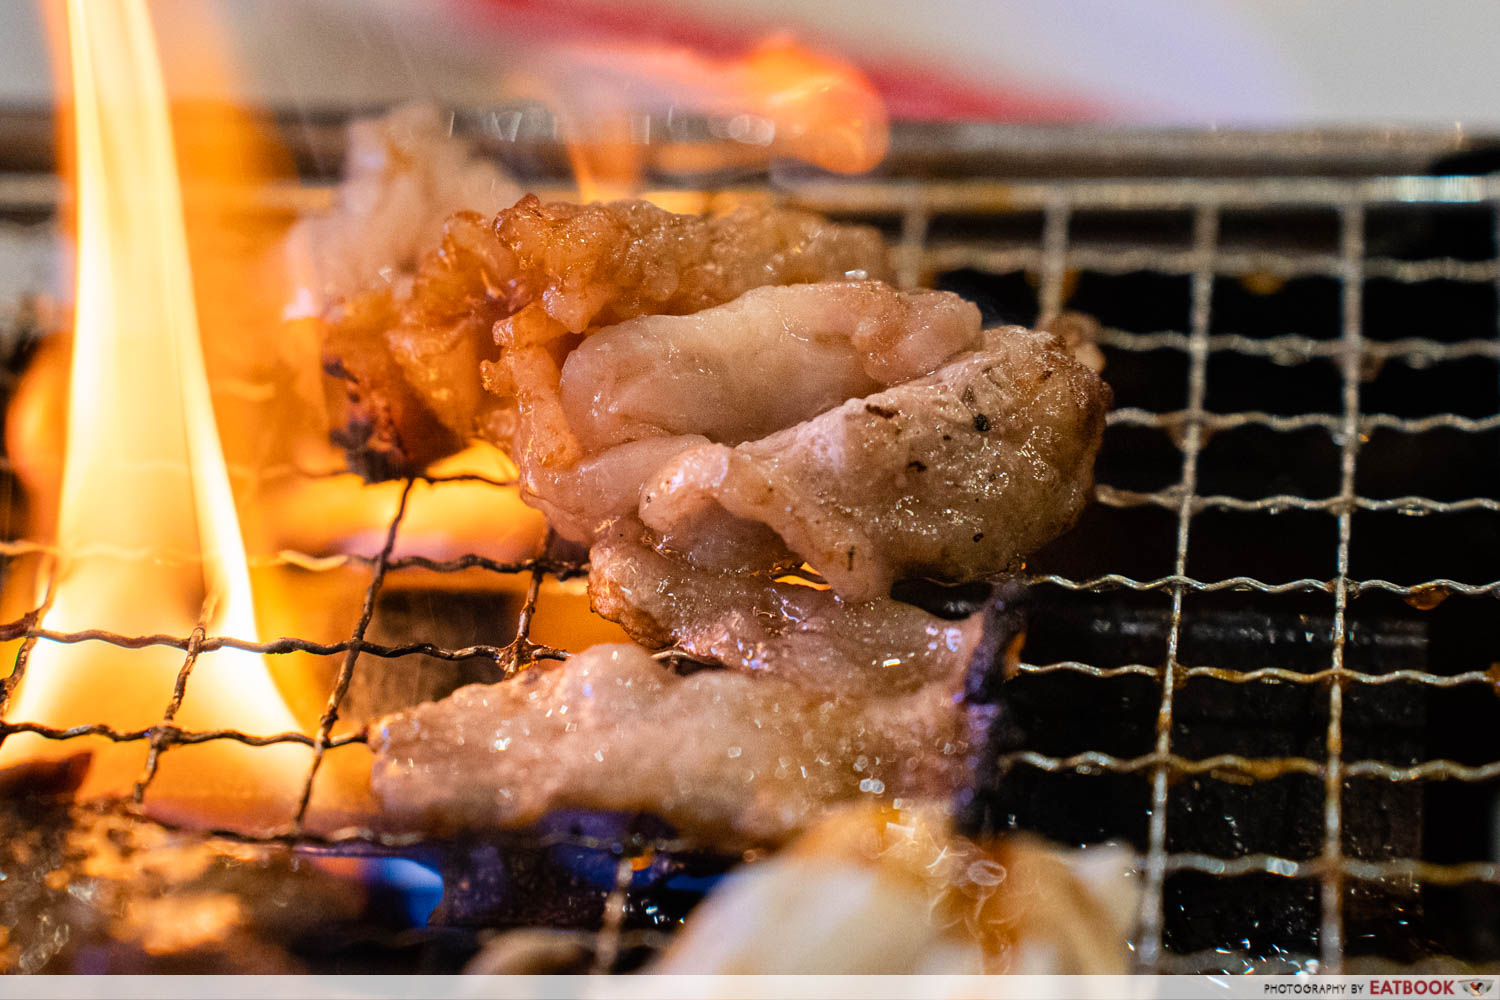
(1414, 986)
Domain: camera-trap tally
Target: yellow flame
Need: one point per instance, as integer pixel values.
(148, 536)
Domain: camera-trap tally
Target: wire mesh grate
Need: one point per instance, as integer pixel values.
(1052, 260)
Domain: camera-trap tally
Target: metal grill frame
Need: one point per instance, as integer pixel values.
(915, 204)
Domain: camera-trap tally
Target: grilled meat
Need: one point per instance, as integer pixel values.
(719, 755)
(786, 628)
(954, 475)
(497, 301)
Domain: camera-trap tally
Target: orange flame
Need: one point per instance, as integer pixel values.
(823, 109)
(148, 537)
(780, 99)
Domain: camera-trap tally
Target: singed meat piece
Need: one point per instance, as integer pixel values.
(717, 754)
(771, 358)
(413, 377)
(497, 303)
(654, 386)
(754, 624)
(954, 475)
(380, 421)
(351, 268)
(443, 332)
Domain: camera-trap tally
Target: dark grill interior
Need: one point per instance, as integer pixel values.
(1264, 658)
(1291, 534)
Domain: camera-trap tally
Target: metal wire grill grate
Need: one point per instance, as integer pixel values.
(1052, 258)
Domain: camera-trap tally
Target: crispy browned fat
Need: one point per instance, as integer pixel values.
(499, 302)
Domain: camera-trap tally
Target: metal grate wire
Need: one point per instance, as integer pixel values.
(1205, 239)
(911, 207)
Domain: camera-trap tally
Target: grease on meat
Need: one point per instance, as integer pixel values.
(719, 755)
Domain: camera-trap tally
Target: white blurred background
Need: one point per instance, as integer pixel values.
(1190, 62)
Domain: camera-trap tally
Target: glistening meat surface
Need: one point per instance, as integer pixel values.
(721, 756)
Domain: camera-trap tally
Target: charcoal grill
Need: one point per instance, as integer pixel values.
(1276, 619)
